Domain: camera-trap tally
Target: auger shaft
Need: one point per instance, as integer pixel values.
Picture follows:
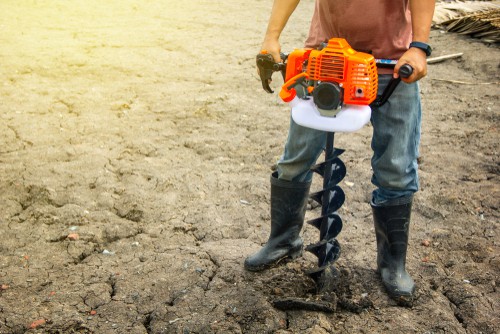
(331, 198)
(330, 137)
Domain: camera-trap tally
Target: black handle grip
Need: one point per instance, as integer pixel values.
(265, 63)
(405, 71)
(267, 66)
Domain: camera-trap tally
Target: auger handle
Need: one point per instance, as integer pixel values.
(267, 66)
(405, 71)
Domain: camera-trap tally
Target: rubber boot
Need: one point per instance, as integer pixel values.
(288, 206)
(392, 224)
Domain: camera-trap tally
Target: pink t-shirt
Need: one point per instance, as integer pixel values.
(382, 27)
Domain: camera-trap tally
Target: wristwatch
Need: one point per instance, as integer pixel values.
(422, 46)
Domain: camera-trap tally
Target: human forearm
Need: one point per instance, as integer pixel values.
(422, 12)
(281, 12)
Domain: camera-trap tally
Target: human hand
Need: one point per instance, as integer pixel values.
(417, 59)
(270, 47)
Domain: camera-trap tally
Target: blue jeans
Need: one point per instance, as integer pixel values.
(395, 142)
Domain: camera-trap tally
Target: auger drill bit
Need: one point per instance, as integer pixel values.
(331, 198)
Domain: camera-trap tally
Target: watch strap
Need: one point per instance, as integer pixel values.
(422, 46)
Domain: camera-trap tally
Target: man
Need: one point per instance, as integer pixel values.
(389, 29)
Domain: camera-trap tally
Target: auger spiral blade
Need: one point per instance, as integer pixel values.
(332, 155)
(326, 278)
(337, 198)
(331, 198)
(327, 251)
(338, 170)
(329, 226)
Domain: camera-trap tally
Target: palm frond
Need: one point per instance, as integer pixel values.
(478, 19)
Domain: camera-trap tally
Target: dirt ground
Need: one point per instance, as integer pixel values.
(136, 145)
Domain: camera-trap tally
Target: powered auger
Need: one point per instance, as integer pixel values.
(329, 89)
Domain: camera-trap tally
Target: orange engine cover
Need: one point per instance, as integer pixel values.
(354, 71)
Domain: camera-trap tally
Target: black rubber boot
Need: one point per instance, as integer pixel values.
(392, 225)
(288, 206)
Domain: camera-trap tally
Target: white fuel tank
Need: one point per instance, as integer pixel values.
(349, 119)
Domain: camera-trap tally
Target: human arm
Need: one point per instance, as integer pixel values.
(422, 12)
(280, 13)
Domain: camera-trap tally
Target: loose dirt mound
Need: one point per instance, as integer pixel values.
(136, 148)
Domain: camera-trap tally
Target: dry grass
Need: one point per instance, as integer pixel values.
(478, 19)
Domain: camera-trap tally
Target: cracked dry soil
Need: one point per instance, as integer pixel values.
(136, 148)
